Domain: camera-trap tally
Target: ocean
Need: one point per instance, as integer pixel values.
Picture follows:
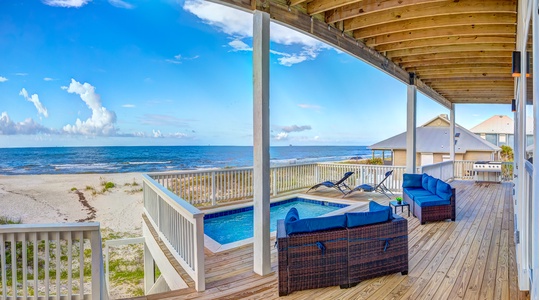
(77, 160)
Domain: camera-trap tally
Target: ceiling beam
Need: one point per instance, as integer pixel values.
(452, 55)
(429, 10)
(451, 31)
(455, 62)
(447, 41)
(471, 68)
(436, 22)
(475, 100)
(451, 48)
(369, 7)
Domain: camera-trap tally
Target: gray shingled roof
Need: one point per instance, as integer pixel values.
(436, 140)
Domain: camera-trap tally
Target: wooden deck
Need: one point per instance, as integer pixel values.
(472, 258)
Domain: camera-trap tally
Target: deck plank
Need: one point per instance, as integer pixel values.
(472, 258)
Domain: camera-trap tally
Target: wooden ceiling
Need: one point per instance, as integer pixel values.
(459, 49)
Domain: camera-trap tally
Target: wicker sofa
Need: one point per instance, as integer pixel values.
(430, 199)
(341, 250)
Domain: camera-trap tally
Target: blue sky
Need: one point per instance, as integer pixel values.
(80, 72)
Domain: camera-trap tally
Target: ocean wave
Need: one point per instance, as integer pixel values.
(148, 162)
(100, 166)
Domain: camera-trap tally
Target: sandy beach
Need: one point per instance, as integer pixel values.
(75, 198)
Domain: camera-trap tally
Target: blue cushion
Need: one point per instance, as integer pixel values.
(425, 181)
(356, 219)
(375, 206)
(366, 187)
(411, 180)
(292, 215)
(426, 201)
(316, 224)
(416, 192)
(432, 185)
(443, 190)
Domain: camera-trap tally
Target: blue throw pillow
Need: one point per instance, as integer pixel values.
(432, 185)
(425, 181)
(411, 180)
(356, 219)
(316, 224)
(292, 215)
(443, 190)
(374, 206)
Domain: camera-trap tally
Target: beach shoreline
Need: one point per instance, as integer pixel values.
(71, 198)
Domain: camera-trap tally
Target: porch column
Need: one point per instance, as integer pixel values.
(452, 132)
(410, 126)
(535, 181)
(521, 203)
(261, 142)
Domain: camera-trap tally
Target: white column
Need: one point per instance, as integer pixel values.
(149, 270)
(410, 128)
(452, 132)
(521, 204)
(535, 181)
(261, 172)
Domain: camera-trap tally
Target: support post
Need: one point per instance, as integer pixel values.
(149, 270)
(452, 132)
(521, 205)
(535, 180)
(410, 126)
(261, 180)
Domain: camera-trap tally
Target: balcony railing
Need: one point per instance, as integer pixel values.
(57, 261)
(180, 226)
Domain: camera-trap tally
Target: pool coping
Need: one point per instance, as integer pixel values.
(216, 247)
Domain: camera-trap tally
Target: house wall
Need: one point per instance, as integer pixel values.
(477, 155)
(399, 158)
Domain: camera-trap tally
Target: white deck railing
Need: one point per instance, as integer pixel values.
(179, 225)
(443, 170)
(217, 186)
(50, 262)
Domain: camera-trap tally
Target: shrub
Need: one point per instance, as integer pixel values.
(4, 220)
(375, 161)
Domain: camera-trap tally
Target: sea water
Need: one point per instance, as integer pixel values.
(74, 160)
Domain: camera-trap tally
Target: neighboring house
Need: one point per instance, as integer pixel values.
(499, 130)
(433, 144)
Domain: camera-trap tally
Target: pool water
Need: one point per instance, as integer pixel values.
(236, 225)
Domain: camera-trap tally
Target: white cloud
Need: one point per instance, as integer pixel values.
(239, 45)
(3, 79)
(179, 58)
(48, 79)
(121, 4)
(28, 126)
(102, 120)
(21, 74)
(128, 105)
(35, 99)
(157, 133)
(296, 128)
(66, 3)
(281, 136)
(178, 135)
(239, 24)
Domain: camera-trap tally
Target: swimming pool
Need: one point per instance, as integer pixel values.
(236, 225)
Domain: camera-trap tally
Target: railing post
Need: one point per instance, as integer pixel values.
(98, 291)
(316, 174)
(213, 191)
(200, 282)
(274, 179)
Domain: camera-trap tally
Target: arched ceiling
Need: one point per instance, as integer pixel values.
(460, 50)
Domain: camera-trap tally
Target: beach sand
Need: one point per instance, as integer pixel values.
(75, 198)
(80, 198)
